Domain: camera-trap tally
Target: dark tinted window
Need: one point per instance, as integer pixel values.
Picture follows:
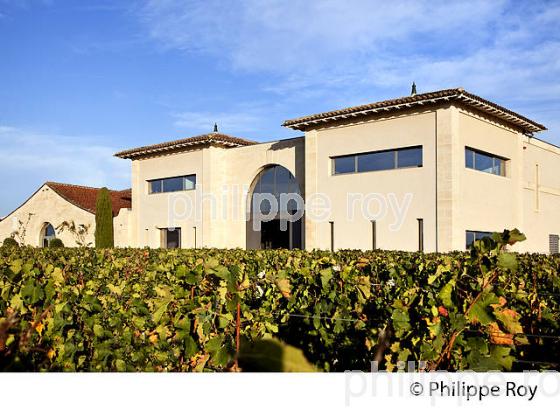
(484, 162)
(344, 165)
(173, 238)
(376, 161)
(49, 231)
(155, 186)
(190, 182)
(267, 185)
(476, 236)
(409, 157)
(173, 184)
(469, 158)
(275, 180)
(499, 167)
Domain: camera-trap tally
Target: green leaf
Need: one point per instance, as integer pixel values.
(446, 292)
(98, 330)
(509, 319)
(191, 348)
(161, 308)
(214, 344)
(501, 356)
(183, 324)
(507, 261)
(401, 321)
(271, 355)
(364, 286)
(16, 265)
(57, 276)
(514, 236)
(32, 292)
(326, 276)
(481, 311)
(120, 365)
(192, 278)
(115, 289)
(220, 357)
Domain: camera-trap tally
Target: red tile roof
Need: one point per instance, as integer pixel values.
(457, 95)
(85, 197)
(214, 138)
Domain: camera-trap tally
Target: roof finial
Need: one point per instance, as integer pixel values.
(413, 91)
(215, 127)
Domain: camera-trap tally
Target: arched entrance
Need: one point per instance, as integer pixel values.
(47, 235)
(275, 210)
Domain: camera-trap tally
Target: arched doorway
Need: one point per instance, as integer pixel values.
(47, 235)
(275, 210)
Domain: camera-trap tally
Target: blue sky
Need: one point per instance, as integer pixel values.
(81, 80)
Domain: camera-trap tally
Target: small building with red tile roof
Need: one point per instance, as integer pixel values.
(39, 219)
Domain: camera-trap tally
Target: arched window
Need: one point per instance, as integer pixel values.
(47, 235)
(283, 230)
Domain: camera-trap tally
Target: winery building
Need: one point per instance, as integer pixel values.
(429, 172)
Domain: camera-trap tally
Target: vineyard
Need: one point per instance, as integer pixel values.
(200, 310)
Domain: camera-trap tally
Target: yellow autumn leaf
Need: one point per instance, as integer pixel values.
(39, 328)
(498, 337)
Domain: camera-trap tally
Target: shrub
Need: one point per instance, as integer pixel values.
(177, 310)
(8, 242)
(104, 220)
(56, 243)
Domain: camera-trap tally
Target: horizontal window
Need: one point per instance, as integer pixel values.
(378, 160)
(475, 236)
(184, 183)
(485, 162)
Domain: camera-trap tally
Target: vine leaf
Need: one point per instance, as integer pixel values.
(507, 261)
(480, 311)
(271, 355)
(445, 293)
(284, 287)
(326, 276)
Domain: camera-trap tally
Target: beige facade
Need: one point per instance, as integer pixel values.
(213, 214)
(434, 204)
(52, 205)
(46, 207)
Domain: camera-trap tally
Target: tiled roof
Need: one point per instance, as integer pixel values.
(85, 197)
(457, 95)
(214, 138)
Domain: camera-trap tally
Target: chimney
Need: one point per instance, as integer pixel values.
(413, 91)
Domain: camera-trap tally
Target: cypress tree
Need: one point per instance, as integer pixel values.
(104, 220)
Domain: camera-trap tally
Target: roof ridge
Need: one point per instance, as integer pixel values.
(82, 186)
(213, 137)
(446, 92)
(432, 97)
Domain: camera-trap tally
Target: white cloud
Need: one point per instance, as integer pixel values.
(305, 35)
(348, 52)
(29, 158)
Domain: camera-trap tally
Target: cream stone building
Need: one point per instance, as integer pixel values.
(429, 172)
(38, 220)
